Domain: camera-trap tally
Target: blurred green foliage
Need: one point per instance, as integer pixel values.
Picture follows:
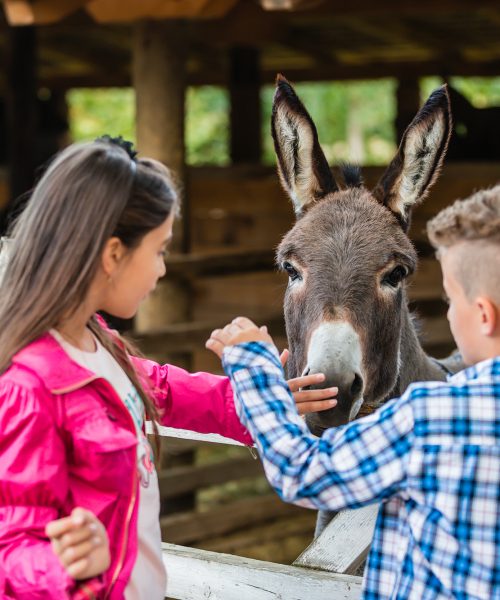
(355, 120)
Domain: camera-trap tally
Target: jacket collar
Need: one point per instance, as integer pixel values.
(58, 371)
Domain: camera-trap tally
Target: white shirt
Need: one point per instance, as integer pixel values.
(148, 578)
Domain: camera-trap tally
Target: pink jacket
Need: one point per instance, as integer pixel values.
(67, 440)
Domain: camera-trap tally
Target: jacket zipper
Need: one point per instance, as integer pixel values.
(133, 497)
(121, 559)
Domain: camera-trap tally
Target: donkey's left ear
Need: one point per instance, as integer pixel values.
(418, 162)
(302, 166)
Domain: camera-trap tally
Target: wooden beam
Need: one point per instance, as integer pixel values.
(245, 114)
(407, 103)
(39, 12)
(289, 4)
(228, 577)
(22, 116)
(61, 79)
(120, 11)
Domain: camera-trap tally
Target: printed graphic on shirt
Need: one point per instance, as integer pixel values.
(145, 458)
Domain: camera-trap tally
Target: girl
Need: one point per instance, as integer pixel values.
(79, 498)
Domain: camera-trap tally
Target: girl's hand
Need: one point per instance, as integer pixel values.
(80, 541)
(308, 401)
(238, 331)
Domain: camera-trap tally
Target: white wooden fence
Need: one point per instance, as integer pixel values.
(321, 572)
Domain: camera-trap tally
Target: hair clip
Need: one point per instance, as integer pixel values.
(119, 141)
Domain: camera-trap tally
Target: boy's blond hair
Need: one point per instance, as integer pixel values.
(472, 224)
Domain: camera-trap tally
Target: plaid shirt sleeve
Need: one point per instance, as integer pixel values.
(350, 466)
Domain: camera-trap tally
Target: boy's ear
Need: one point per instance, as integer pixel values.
(488, 315)
(112, 255)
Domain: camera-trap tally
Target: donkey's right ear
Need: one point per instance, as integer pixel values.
(302, 166)
(418, 161)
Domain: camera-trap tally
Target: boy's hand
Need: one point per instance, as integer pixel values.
(243, 330)
(80, 541)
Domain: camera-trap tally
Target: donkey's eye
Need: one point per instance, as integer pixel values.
(395, 277)
(291, 271)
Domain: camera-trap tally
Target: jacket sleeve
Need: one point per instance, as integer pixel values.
(199, 402)
(33, 486)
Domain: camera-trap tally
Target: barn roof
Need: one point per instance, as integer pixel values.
(88, 42)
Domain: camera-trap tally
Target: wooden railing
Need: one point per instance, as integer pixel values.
(321, 572)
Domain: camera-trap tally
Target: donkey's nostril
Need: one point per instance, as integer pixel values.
(306, 371)
(357, 386)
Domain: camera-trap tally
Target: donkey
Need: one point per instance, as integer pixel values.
(348, 257)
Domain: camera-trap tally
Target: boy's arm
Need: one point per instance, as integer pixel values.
(349, 466)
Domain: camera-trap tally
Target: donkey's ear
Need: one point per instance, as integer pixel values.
(302, 166)
(416, 166)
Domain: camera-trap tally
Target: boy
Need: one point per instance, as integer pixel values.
(430, 458)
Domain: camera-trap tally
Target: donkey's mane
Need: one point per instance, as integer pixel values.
(351, 175)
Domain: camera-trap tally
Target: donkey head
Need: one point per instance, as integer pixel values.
(348, 255)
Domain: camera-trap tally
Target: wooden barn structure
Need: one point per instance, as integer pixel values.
(233, 217)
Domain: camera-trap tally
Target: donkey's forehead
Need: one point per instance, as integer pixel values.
(346, 221)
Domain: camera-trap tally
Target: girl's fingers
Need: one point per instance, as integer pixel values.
(314, 395)
(215, 346)
(304, 408)
(80, 551)
(76, 569)
(77, 536)
(283, 359)
(56, 529)
(244, 323)
(302, 382)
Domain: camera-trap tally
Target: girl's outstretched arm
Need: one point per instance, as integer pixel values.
(204, 402)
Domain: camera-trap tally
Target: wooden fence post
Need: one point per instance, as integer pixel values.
(159, 76)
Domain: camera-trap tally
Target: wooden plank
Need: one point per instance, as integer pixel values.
(185, 434)
(344, 543)
(179, 480)
(190, 527)
(220, 262)
(224, 577)
(186, 337)
(281, 532)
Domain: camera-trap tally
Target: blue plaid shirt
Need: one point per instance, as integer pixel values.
(430, 458)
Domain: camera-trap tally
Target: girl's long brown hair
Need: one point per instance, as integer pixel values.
(91, 192)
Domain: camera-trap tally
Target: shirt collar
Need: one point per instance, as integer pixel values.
(45, 357)
(489, 367)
